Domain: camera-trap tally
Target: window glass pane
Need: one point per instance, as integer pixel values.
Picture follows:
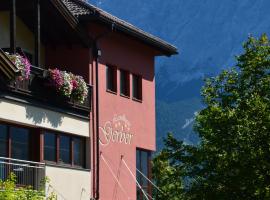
(124, 82)
(108, 78)
(144, 167)
(64, 150)
(50, 147)
(19, 143)
(139, 193)
(142, 163)
(111, 75)
(138, 175)
(138, 164)
(3, 140)
(78, 149)
(136, 87)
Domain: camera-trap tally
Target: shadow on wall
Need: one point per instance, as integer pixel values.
(40, 116)
(116, 185)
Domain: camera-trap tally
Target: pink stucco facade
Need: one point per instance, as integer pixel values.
(135, 58)
(137, 118)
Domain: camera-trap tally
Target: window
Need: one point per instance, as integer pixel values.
(70, 151)
(15, 143)
(124, 83)
(143, 159)
(65, 150)
(3, 141)
(78, 152)
(50, 147)
(24, 144)
(137, 87)
(111, 79)
(20, 141)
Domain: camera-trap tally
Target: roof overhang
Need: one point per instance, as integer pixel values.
(72, 21)
(120, 25)
(156, 43)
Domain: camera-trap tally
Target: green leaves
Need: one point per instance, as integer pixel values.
(233, 159)
(9, 191)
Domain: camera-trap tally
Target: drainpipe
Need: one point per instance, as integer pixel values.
(97, 54)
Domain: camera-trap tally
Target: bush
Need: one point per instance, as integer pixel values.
(9, 190)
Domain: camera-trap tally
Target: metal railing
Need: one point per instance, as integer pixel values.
(27, 173)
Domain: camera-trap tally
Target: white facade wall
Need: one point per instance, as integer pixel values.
(38, 117)
(68, 184)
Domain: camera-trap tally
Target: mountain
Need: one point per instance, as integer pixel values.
(208, 33)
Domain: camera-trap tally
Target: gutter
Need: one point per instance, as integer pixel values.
(167, 49)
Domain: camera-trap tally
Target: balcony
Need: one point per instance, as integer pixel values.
(34, 90)
(56, 41)
(27, 173)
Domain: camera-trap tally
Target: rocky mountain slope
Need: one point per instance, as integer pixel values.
(208, 33)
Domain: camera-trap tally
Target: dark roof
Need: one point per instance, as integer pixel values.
(80, 8)
(76, 9)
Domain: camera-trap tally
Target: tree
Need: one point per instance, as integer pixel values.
(233, 159)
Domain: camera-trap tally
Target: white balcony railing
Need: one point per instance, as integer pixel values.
(27, 173)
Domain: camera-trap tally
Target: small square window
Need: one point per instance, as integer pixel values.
(111, 78)
(124, 83)
(137, 87)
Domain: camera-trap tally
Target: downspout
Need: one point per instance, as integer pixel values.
(97, 55)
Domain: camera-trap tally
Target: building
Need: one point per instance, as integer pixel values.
(88, 148)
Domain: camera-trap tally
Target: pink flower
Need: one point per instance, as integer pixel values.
(56, 78)
(74, 83)
(22, 63)
(27, 67)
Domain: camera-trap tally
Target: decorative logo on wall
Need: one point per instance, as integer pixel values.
(116, 131)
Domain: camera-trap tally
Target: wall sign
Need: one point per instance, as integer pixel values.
(116, 131)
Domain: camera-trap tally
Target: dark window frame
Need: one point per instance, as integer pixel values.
(111, 79)
(138, 96)
(148, 188)
(71, 154)
(37, 142)
(32, 155)
(125, 74)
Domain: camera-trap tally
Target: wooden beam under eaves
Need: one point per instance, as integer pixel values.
(7, 67)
